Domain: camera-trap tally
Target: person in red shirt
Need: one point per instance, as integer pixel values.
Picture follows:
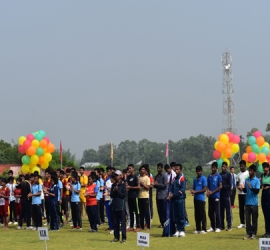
(46, 186)
(17, 195)
(4, 201)
(91, 202)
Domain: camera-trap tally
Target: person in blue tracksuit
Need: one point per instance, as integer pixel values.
(178, 196)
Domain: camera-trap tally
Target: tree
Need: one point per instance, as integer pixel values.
(89, 155)
(267, 127)
(251, 132)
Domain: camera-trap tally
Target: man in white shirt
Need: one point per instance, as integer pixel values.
(12, 186)
(240, 183)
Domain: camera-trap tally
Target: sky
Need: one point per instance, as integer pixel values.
(91, 72)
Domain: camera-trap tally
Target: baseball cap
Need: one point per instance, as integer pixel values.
(118, 172)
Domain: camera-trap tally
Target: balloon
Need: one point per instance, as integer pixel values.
(266, 144)
(236, 139)
(245, 157)
(229, 145)
(251, 157)
(221, 146)
(35, 143)
(261, 157)
(224, 138)
(42, 132)
(41, 160)
(43, 143)
(251, 140)
(25, 159)
(25, 168)
(219, 137)
(235, 148)
(231, 137)
(50, 148)
(228, 153)
(249, 164)
(21, 140)
(34, 169)
(216, 154)
(47, 157)
(215, 145)
(30, 137)
(227, 133)
(257, 134)
(255, 148)
(38, 137)
(31, 150)
(46, 139)
(260, 168)
(265, 150)
(249, 149)
(44, 165)
(21, 149)
(26, 144)
(260, 140)
(228, 162)
(34, 159)
(219, 162)
(39, 151)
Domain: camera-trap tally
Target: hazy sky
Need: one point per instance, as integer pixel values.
(91, 72)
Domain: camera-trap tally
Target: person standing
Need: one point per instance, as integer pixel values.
(107, 197)
(199, 188)
(214, 185)
(251, 188)
(83, 182)
(265, 185)
(225, 200)
(12, 210)
(18, 195)
(4, 202)
(47, 186)
(233, 186)
(178, 195)
(160, 184)
(118, 195)
(240, 183)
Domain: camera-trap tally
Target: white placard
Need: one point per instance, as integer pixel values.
(264, 244)
(143, 239)
(43, 233)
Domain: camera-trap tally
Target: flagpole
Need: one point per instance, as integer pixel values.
(61, 156)
(111, 154)
(167, 151)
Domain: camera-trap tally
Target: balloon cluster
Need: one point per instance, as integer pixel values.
(37, 149)
(225, 147)
(258, 150)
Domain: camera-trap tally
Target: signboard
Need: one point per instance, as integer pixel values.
(43, 233)
(264, 244)
(143, 239)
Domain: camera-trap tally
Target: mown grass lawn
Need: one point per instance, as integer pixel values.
(66, 239)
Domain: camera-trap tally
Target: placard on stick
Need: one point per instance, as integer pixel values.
(143, 240)
(43, 235)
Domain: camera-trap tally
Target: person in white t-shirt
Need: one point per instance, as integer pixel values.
(12, 211)
(240, 183)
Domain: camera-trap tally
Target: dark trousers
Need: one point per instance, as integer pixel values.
(200, 215)
(225, 204)
(52, 206)
(36, 214)
(12, 211)
(161, 208)
(179, 214)
(92, 213)
(144, 209)
(47, 210)
(242, 201)
(119, 218)
(251, 217)
(151, 206)
(214, 212)
(266, 214)
(133, 208)
(76, 215)
(25, 212)
(108, 213)
(233, 196)
(101, 210)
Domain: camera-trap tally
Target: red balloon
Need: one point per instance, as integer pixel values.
(21, 149)
(236, 139)
(231, 137)
(46, 139)
(216, 154)
(26, 144)
(30, 137)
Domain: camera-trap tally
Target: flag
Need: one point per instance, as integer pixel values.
(111, 150)
(167, 148)
(61, 150)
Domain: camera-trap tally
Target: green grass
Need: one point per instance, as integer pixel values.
(66, 239)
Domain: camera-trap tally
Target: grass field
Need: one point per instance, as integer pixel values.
(67, 239)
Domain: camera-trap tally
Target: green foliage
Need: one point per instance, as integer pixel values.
(4, 174)
(267, 127)
(9, 153)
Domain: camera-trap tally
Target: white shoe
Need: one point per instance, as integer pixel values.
(111, 232)
(10, 223)
(15, 223)
(210, 230)
(241, 226)
(182, 234)
(34, 229)
(196, 232)
(19, 228)
(1, 225)
(176, 234)
(45, 224)
(29, 228)
(202, 232)
(217, 230)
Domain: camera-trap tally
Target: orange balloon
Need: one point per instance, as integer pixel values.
(43, 143)
(245, 157)
(261, 157)
(260, 141)
(221, 146)
(50, 148)
(41, 160)
(249, 149)
(228, 152)
(228, 145)
(31, 150)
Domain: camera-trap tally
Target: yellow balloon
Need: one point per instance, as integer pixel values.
(224, 138)
(249, 164)
(36, 169)
(266, 144)
(34, 159)
(44, 165)
(25, 168)
(35, 143)
(228, 162)
(21, 140)
(47, 157)
(215, 145)
(235, 148)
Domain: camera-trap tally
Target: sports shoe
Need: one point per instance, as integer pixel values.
(176, 234)
(15, 223)
(114, 240)
(10, 223)
(92, 231)
(130, 229)
(182, 234)
(266, 235)
(241, 226)
(186, 224)
(217, 230)
(29, 228)
(123, 241)
(45, 224)
(78, 228)
(229, 229)
(1, 225)
(196, 232)
(246, 237)
(34, 229)
(210, 230)
(19, 228)
(253, 237)
(73, 228)
(202, 232)
(111, 232)
(137, 230)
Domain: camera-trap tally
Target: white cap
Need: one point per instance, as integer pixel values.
(118, 172)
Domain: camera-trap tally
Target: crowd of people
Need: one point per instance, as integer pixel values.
(126, 199)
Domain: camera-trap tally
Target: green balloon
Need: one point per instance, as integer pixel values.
(26, 159)
(265, 150)
(260, 168)
(39, 137)
(219, 162)
(40, 151)
(255, 148)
